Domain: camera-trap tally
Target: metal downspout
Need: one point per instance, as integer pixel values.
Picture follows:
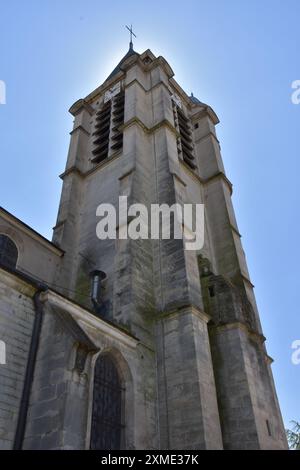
(34, 344)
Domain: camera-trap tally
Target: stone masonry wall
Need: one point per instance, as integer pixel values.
(16, 320)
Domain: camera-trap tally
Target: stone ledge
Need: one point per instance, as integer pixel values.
(80, 128)
(205, 181)
(210, 134)
(206, 111)
(185, 310)
(79, 105)
(150, 130)
(74, 169)
(17, 281)
(85, 318)
(258, 337)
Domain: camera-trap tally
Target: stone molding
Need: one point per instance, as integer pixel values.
(86, 319)
(20, 226)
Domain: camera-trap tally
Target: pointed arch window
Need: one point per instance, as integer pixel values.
(8, 252)
(106, 428)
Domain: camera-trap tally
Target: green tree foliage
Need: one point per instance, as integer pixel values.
(293, 436)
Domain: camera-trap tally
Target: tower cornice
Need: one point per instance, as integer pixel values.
(206, 111)
(79, 105)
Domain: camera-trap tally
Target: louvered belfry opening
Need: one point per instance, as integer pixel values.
(118, 120)
(186, 141)
(102, 129)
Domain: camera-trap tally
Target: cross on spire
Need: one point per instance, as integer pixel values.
(131, 34)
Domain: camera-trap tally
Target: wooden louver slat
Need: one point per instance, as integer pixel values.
(118, 120)
(101, 133)
(185, 138)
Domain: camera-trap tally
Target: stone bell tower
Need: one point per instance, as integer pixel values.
(208, 376)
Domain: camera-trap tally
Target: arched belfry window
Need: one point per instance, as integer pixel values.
(8, 252)
(106, 430)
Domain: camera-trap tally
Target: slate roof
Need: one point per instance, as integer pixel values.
(130, 52)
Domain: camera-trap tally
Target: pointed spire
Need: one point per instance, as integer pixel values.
(130, 53)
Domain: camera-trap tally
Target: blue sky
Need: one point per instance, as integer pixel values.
(239, 56)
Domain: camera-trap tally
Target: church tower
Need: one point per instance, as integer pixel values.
(205, 380)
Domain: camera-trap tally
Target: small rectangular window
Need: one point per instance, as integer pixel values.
(269, 427)
(211, 290)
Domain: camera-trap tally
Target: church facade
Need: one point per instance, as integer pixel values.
(168, 351)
